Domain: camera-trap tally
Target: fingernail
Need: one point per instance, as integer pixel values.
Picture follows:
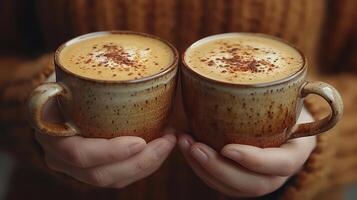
(184, 144)
(189, 140)
(161, 149)
(233, 154)
(199, 155)
(136, 147)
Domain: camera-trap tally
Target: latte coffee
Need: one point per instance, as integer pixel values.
(116, 57)
(243, 59)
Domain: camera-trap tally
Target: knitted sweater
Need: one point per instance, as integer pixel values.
(331, 163)
(320, 27)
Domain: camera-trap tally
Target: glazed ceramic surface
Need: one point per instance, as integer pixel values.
(95, 108)
(263, 114)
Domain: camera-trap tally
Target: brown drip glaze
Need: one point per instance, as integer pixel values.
(107, 108)
(253, 113)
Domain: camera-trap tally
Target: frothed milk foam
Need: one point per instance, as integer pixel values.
(243, 58)
(116, 56)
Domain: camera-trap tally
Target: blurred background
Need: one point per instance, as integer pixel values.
(325, 31)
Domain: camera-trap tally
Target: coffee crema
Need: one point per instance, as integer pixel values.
(242, 58)
(116, 57)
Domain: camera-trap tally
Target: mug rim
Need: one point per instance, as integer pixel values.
(252, 85)
(170, 68)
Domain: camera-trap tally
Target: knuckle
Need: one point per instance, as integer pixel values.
(118, 151)
(143, 165)
(146, 163)
(156, 157)
(256, 164)
(96, 177)
(121, 154)
(75, 156)
(115, 156)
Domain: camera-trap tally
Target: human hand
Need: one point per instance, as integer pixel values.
(113, 163)
(243, 170)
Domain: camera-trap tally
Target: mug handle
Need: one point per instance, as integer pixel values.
(333, 98)
(38, 99)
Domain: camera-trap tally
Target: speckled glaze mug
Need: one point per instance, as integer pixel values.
(262, 114)
(103, 108)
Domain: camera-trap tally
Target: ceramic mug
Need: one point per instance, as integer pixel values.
(103, 108)
(262, 114)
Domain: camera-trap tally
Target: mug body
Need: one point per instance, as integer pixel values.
(262, 114)
(109, 109)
